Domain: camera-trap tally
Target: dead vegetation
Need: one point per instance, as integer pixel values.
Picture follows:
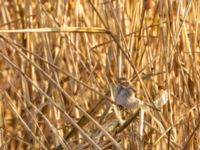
(58, 60)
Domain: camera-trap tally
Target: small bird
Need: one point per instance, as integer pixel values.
(124, 96)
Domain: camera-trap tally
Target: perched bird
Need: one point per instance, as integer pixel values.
(124, 96)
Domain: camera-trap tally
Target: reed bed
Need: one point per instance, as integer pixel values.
(58, 60)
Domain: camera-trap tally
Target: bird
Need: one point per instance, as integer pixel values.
(124, 95)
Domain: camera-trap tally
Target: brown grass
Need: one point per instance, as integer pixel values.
(58, 59)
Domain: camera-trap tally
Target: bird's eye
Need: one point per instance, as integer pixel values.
(121, 107)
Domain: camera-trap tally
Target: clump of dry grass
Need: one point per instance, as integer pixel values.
(58, 60)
